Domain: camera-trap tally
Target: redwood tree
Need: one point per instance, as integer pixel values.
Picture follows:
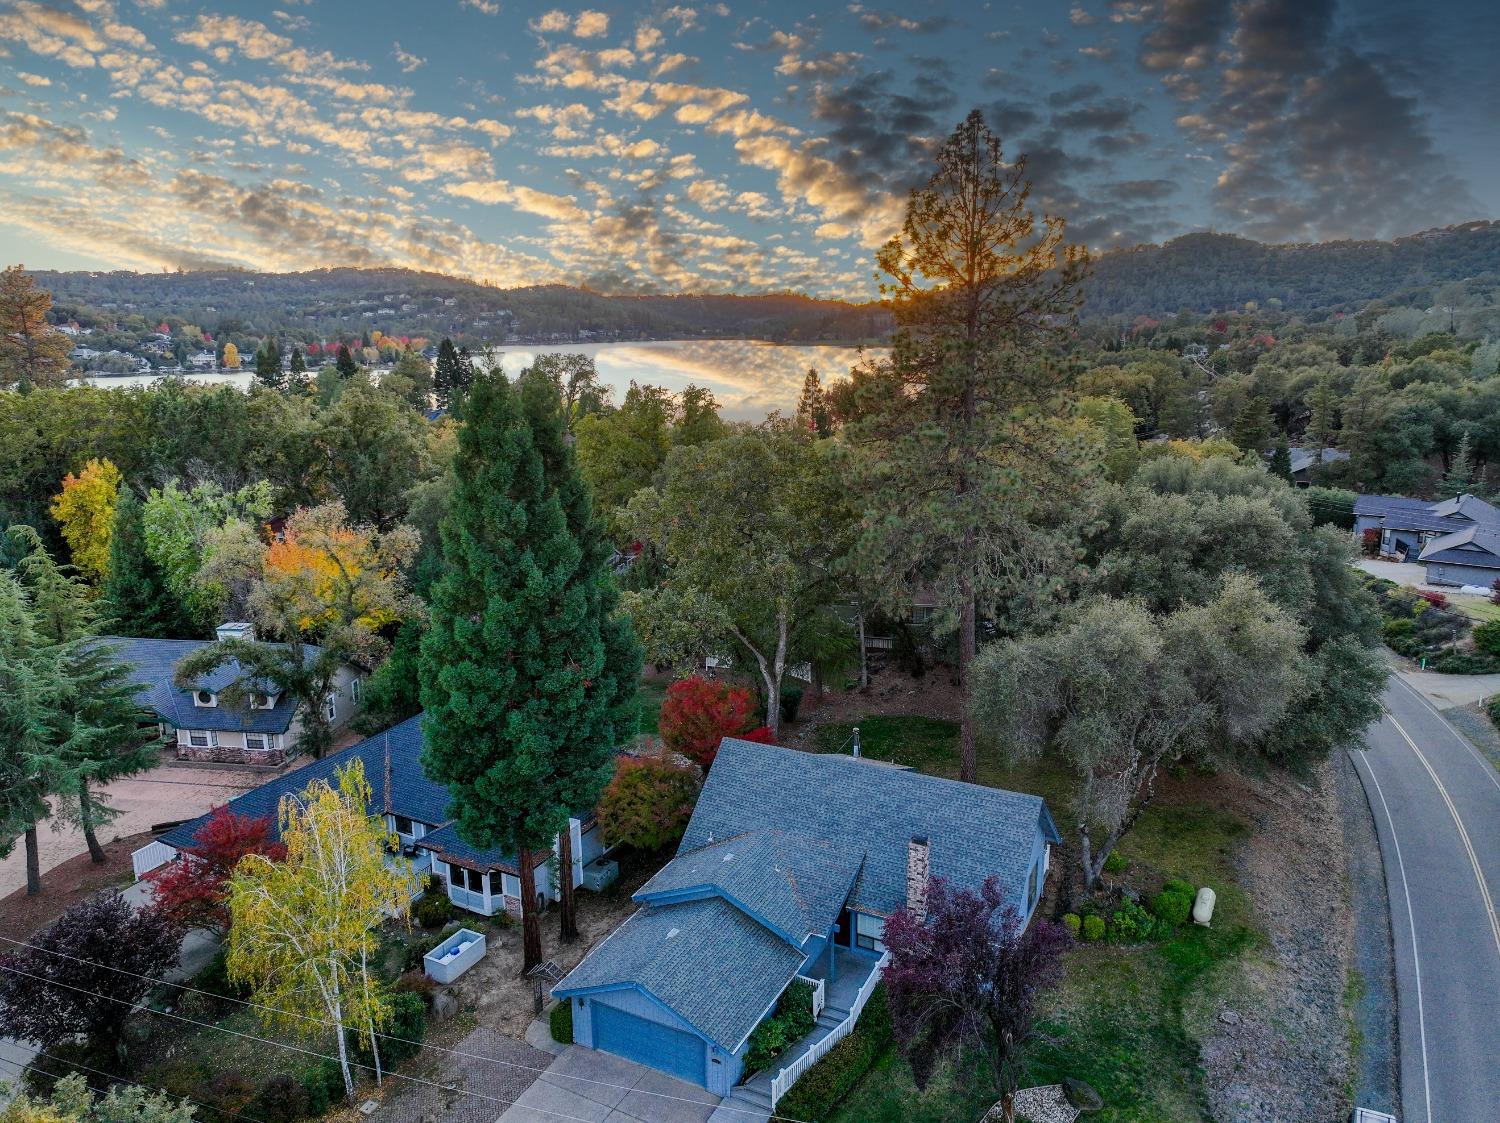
(698, 713)
(966, 976)
(194, 892)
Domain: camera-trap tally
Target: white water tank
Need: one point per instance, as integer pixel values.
(1203, 907)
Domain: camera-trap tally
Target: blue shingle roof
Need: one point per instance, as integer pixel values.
(1398, 512)
(973, 832)
(449, 845)
(793, 881)
(705, 960)
(153, 662)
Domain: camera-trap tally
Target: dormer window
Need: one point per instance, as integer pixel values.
(263, 701)
(205, 699)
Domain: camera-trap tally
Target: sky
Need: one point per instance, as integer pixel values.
(716, 147)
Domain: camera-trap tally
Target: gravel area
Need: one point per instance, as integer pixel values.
(1277, 1051)
(1475, 724)
(1044, 1104)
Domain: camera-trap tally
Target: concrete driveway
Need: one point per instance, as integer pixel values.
(584, 1085)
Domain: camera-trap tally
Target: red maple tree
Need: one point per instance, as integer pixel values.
(193, 890)
(698, 713)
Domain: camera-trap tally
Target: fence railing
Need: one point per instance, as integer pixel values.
(820, 993)
(783, 1080)
(148, 857)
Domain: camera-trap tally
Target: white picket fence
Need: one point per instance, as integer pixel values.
(788, 1076)
(148, 857)
(820, 993)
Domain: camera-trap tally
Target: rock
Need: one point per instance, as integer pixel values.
(1229, 1018)
(444, 1006)
(1082, 1095)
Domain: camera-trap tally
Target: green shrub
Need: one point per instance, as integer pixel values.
(792, 1021)
(823, 1086)
(1178, 885)
(1171, 908)
(1464, 663)
(214, 979)
(230, 1091)
(281, 1099)
(561, 1021)
(1487, 638)
(1492, 707)
(418, 983)
(400, 1037)
(1116, 862)
(791, 702)
(324, 1085)
(432, 910)
(1093, 928)
(1132, 924)
(1073, 923)
(1398, 629)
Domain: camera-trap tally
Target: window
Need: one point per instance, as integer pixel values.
(497, 883)
(259, 742)
(201, 738)
(331, 707)
(205, 699)
(357, 690)
(263, 701)
(403, 825)
(921, 614)
(867, 932)
(1034, 886)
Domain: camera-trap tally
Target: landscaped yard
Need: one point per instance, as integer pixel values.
(1127, 1019)
(1477, 608)
(650, 694)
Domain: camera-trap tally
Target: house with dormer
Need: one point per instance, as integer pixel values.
(1457, 539)
(789, 868)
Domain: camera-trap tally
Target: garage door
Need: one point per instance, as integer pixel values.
(648, 1043)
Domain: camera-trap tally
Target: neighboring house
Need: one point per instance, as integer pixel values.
(1408, 526)
(1466, 557)
(1305, 459)
(415, 808)
(789, 868)
(202, 360)
(203, 726)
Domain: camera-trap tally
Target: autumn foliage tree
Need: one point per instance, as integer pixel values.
(648, 803)
(194, 891)
(698, 713)
(964, 979)
(32, 352)
(85, 512)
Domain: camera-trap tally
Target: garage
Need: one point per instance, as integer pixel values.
(649, 1043)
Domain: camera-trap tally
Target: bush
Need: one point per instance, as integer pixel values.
(1434, 598)
(1492, 707)
(1178, 885)
(324, 1085)
(791, 702)
(432, 910)
(792, 1021)
(698, 713)
(418, 983)
(400, 1037)
(1487, 638)
(1116, 863)
(1073, 923)
(281, 1099)
(1093, 928)
(824, 1085)
(214, 979)
(561, 1021)
(1132, 924)
(1172, 908)
(1464, 663)
(230, 1091)
(648, 803)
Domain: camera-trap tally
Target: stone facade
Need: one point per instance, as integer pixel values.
(918, 857)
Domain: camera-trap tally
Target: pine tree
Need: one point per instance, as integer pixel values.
(1459, 479)
(466, 373)
(136, 601)
(1252, 426)
(31, 353)
(1281, 459)
(297, 379)
(812, 406)
(516, 681)
(446, 376)
(268, 365)
(1323, 404)
(345, 363)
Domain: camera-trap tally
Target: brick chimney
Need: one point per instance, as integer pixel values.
(917, 864)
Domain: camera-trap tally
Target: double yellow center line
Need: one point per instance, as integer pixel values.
(1463, 834)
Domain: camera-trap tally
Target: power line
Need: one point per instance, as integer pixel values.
(326, 1023)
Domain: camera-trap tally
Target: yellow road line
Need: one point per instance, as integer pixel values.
(1463, 834)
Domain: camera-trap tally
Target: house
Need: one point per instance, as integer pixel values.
(790, 866)
(202, 725)
(1305, 459)
(1466, 557)
(1408, 526)
(415, 809)
(202, 360)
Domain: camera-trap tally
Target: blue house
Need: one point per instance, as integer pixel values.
(415, 809)
(1457, 539)
(789, 868)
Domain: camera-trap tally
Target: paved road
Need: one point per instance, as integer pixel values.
(1437, 810)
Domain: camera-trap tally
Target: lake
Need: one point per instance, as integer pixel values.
(749, 378)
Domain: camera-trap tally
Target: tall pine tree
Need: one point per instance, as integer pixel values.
(268, 366)
(446, 376)
(136, 601)
(517, 686)
(345, 364)
(1460, 477)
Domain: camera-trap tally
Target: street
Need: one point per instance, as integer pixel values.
(1436, 803)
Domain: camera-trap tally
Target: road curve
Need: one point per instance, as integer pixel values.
(1436, 803)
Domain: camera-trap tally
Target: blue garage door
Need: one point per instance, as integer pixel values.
(648, 1043)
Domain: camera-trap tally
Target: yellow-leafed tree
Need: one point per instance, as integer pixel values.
(303, 929)
(231, 357)
(85, 511)
(324, 572)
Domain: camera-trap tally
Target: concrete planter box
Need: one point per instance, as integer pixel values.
(454, 956)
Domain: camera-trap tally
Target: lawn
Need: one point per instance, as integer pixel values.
(650, 695)
(1125, 1019)
(1476, 609)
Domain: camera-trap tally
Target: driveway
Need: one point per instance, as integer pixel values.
(1436, 803)
(589, 1087)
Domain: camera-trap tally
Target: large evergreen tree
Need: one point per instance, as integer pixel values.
(135, 599)
(446, 376)
(520, 696)
(297, 372)
(268, 365)
(345, 364)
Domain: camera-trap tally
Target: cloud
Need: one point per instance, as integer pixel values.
(591, 24)
(1184, 34)
(488, 7)
(33, 79)
(406, 60)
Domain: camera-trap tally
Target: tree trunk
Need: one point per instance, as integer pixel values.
(567, 928)
(364, 979)
(338, 1021)
(33, 863)
(1008, 1107)
(864, 659)
(531, 923)
(86, 820)
(968, 754)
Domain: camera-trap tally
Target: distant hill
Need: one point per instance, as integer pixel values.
(1212, 272)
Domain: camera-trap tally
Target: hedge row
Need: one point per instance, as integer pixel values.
(824, 1086)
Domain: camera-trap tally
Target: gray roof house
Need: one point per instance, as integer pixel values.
(203, 726)
(1456, 539)
(415, 809)
(1305, 459)
(790, 865)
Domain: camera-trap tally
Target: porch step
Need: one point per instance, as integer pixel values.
(753, 1096)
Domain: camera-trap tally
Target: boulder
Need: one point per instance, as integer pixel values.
(1082, 1095)
(444, 1006)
